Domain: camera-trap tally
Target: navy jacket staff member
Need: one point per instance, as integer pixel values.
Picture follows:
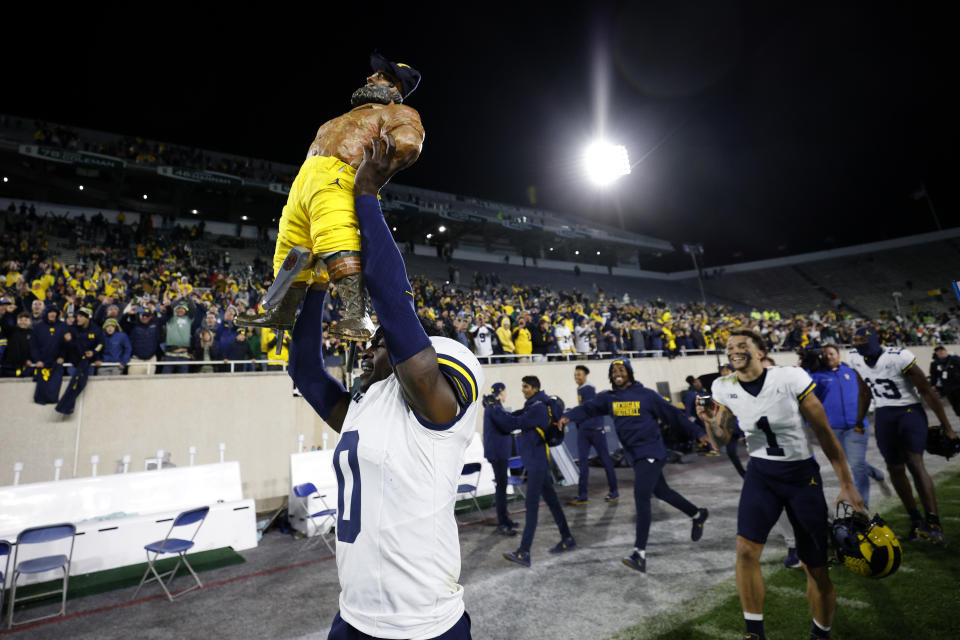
(636, 413)
(533, 450)
(497, 449)
(590, 433)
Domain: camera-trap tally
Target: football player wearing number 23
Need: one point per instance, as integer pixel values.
(772, 405)
(403, 437)
(892, 378)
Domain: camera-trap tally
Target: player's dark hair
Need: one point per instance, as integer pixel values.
(580, 367)
(754, 336)
(533, 381)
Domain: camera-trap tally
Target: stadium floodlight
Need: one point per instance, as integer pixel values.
(606, 162)
(577, 252)
(194, 211)
(394, 228)
(6, 179)
(81, 187)
(429, 235)
(598, 253)
(144, 196)
(441, 228)
(244, 218)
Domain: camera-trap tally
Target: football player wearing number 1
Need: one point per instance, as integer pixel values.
(892, 378)
(403, 436)
(771, 405)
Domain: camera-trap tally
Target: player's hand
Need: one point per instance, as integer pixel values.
(851, 496)
(707, 414)
(562, 422)
(705, 441)
(860, 429)
(949, 432)
(379, 165)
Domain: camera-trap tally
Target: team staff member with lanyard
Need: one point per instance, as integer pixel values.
(838, 389)
(636, 412)
(403, 437)
(536, 464)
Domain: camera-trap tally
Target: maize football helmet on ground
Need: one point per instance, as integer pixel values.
(868, 548)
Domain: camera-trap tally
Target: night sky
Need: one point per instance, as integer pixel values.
(757, 129)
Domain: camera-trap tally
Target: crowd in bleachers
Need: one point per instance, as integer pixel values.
(175, 298)
(137, 150)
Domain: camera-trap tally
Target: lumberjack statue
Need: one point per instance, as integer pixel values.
(319, 237)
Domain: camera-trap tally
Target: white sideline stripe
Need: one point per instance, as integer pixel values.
(847, 602)
(714, 632)
(907, 569)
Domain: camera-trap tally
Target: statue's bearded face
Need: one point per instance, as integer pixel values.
(381, 88)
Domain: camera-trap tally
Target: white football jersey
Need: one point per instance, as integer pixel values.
(772, 420)
(483, 340)
(890, 388)
(564, 338)
(398, 551)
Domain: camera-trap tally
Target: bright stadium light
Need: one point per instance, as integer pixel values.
(429, 235)
(243, 218)
(6, 179)
(144, 196)
(194, 211)
(81, 187)
(606, 162)
(598, 253)
(441, 228)
(577, 252)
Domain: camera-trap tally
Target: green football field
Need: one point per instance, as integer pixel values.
(919, 601)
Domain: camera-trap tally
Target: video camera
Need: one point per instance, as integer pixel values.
(811, 359)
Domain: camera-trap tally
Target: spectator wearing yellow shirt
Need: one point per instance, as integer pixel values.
(506, 338)
(522, 339)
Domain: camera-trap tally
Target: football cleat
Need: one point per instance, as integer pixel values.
(792, 561)
(519, 557)
(577, 502)
(636, 562)
(612, 497)
(931, 532)
(567, 544)
(697, 531)
(506, 530)
(912, 535)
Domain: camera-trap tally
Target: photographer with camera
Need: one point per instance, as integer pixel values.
(837, 389)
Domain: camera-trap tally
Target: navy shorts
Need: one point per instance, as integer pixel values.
(343, 630)
(900, 430)
(770, 487)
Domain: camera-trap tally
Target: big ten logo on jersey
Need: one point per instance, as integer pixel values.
(883, 388)
(347, 467)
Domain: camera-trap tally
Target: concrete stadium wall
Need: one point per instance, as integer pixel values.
(255, 414)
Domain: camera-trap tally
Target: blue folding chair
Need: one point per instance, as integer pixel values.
(41, 564)
(515, 481)
(4, 551)
(468, 470)
(179, 546)
(305, 491)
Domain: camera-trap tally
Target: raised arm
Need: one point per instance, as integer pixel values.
(816, 417)
(412, 355)
(327, 396)
(598, 405)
